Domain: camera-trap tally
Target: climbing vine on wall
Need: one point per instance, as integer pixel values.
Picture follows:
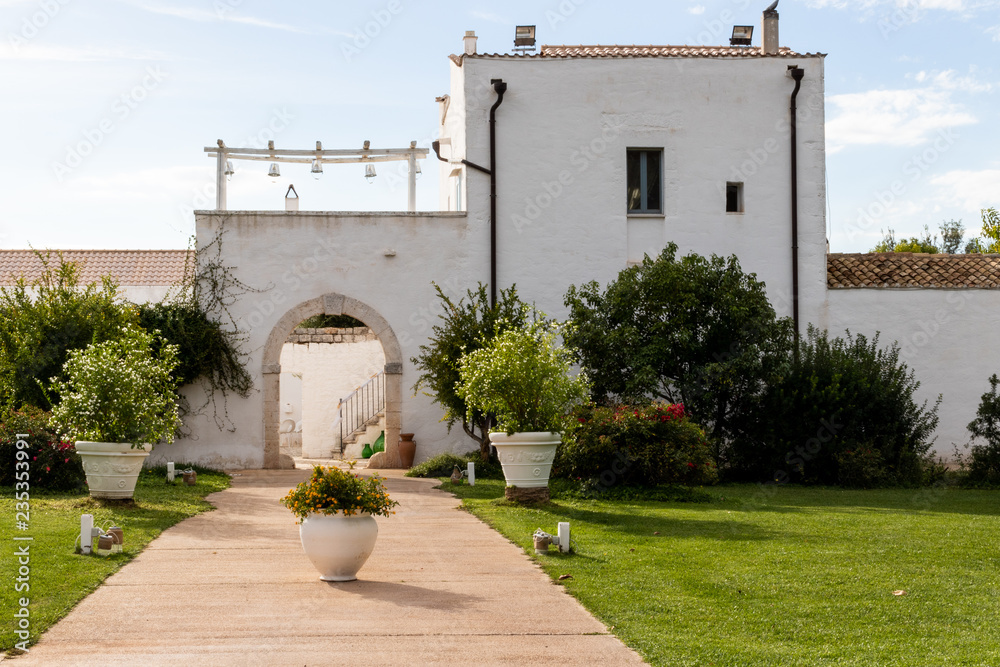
(196, 316)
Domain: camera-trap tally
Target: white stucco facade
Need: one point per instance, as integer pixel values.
(947, 336)
(563, 132)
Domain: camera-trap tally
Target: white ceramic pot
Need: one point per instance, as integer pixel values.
(112, 467)
(338, 545)
(526, 457)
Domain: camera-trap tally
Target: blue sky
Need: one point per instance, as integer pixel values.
(107, 104)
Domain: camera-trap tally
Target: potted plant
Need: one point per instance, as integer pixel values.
(525, 381)
(117, 400)
(336, 511)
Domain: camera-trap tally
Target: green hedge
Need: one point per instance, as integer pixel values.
(646, 445)
(53, 464)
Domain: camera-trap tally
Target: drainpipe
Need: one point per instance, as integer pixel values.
(796, 73)
(500, 87)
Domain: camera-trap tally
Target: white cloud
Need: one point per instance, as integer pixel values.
(972, 190)
(995, 31)
(696, 10)
(204, 16)
(491, 17)
(950, 80)
(892, 117)
(893, 14)
(71, 54)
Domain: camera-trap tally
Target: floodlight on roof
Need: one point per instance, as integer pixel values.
(524, 38)
(742, 35)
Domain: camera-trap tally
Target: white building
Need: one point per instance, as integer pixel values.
(600, 156)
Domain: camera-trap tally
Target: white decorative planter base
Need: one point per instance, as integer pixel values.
(338, 545)
(112, 468)
(526, 457)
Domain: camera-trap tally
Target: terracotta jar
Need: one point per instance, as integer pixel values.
(407, 449)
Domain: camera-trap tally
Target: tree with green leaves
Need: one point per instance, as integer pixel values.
(467, 325)
(926, 244)
(691, 330)
(989, 242)
(952, 234)
(42, 321)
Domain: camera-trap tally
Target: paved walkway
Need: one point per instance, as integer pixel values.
(232, 587)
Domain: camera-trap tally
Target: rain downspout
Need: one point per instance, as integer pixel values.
(500, 87)
(797, 74)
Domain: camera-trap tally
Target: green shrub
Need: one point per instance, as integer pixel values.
(691, 330)
(523, 379)
(626, 445)
(465, 326)
(572, 489)
(443, 464)
(53, 464)
(204, 349)
(983, 466)
(861, 468)
(330, 321)
(42, 322)
(837, 396)
(119, 391)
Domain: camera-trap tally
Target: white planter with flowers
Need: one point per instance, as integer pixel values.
(525, 381)
(336, 511)
(117, 400)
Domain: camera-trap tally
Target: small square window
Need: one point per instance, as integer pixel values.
(643, 180)
(734, 197)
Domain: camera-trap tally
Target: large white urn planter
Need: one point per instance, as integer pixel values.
(526, 457)
(112, 467)
(338, 545)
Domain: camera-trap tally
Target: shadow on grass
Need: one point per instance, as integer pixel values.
(793, 498)
(627, 518)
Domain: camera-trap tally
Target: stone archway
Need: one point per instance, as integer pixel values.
(332, 304)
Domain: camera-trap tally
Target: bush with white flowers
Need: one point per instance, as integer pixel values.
(524, 379)
(119, 391)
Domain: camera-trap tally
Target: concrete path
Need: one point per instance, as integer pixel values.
(232, 587)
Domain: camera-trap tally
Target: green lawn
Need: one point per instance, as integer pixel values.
(782, 576)
(59, 578)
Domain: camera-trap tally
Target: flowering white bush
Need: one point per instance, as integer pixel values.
(523, 379)
(119, 391)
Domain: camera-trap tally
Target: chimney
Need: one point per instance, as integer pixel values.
(769, 43)
(470, 42)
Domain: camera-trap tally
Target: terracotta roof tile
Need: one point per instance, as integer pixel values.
(905, 269)
(650, 51)
(128, 267)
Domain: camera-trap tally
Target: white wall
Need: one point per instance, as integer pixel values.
(294, 257)
(948, 337)
(329, 372)
(562, 134)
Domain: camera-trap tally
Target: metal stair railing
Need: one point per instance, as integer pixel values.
(357, 409)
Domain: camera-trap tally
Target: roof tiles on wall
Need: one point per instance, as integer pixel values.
(128, 267)
(905, 269)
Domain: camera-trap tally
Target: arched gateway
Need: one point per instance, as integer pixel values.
(332, 304)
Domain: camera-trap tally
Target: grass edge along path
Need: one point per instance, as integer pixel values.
(790, 576)
(58, 577)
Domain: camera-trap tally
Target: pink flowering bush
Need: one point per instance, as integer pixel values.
(50, 462)
(644, 445)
